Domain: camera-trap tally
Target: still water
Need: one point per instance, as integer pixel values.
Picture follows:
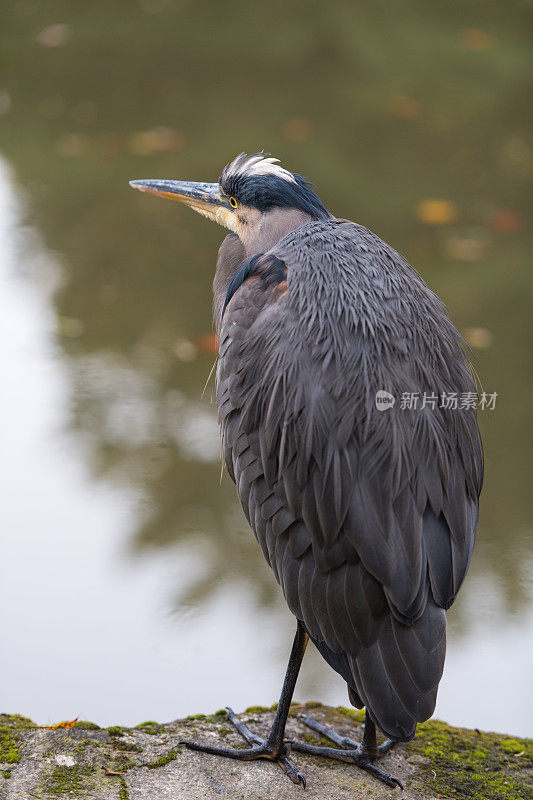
(130, 586)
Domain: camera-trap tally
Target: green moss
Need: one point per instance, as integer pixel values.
(126, 747)
(513, 746)
(162, 761)
(224, 731)
(123, 793)
(67, 780)
(196, 716)
(151, 727)
(9, 751)
(257, 710)
(88, 726)
(87, 743)
(320, 741)
(115, 730)
(6, 773)
(217, 718)
(221, 713)
(122, 762)
(17, 721)
(472, 765)
(351, 713)
(314, 704)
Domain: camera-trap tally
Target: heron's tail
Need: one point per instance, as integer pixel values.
(397, 678)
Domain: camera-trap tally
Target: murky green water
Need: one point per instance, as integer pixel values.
(134, 586)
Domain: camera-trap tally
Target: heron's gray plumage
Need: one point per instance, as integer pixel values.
(366, 517)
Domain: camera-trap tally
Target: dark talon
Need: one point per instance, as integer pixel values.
(272, 748)
(348, 750)
(260, 750)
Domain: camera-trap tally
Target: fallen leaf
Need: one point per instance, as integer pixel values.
(63, 724)
(435, 211)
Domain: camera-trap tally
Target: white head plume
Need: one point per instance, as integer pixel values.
(257, 164)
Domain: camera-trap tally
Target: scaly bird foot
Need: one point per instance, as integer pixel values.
(348, 751)
(261, 748)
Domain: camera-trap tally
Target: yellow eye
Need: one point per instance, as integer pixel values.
(233, 203)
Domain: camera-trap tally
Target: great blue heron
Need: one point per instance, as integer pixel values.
(364, 505)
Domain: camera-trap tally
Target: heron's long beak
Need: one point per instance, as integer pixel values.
(206, 198)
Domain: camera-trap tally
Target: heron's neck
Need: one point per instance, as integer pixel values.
(270, 229)
(256, 238)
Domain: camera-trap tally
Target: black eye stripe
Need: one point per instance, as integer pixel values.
(270, 191)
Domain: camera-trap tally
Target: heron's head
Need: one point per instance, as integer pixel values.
(253, 197)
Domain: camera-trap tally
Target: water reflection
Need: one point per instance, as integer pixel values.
(422, 140)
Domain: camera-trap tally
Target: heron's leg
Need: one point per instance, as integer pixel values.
(362, 754)
(273, 747)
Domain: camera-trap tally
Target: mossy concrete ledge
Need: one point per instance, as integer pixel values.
(148, 763)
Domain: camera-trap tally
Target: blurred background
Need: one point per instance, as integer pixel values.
(130, 585)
